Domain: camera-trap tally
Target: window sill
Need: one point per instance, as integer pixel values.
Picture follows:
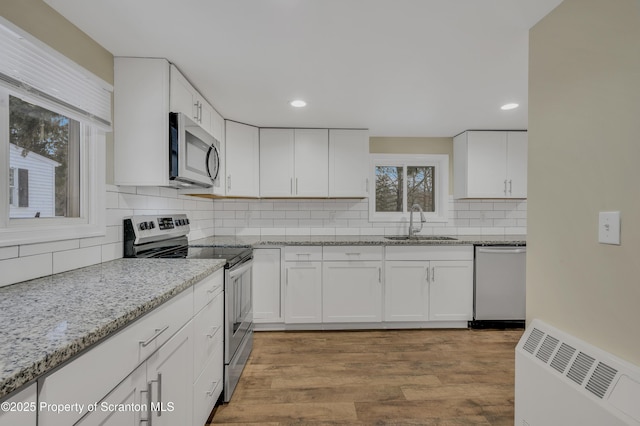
(44, 234)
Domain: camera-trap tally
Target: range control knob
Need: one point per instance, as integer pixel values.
(152, 225)
(143, 226)
(187, 220)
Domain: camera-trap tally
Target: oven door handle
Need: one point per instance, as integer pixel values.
(240, 270)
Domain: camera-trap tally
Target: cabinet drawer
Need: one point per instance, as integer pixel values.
(208, 387)
(208, 332)
(90, 376)
(437, 252)
(352, 253)
(25, 398)
(302, 253)
(205, 290)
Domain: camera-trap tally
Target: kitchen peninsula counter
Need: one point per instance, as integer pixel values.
(50, 320)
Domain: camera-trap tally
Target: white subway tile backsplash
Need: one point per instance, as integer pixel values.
(111, 200)
(9, 252)
(148, 190)
(271, 231)
(304, 214)
(74, 259)
(25, 268)
(168, 192)
(33, 249)
(111, 252)
(297, 231)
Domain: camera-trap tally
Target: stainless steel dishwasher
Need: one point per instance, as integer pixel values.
(499, 286)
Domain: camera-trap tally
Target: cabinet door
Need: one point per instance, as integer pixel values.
(303, 294)
(205, 114)
(352, 291)
(406, 291)
(487, 169)
(348, 163)
(266, 286)
(182, 96)
(170, 373)
(26, 398)
(517, 143)
(451, 290)
(131, 392)
(242, 160)
(311, 163)
(276, 162)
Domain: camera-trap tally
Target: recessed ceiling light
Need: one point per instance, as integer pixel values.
(507, 107)
(298, 103)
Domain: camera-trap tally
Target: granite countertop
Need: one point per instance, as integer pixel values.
(257, 241)
(47, 321)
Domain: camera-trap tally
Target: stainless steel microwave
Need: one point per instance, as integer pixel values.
(194, 155)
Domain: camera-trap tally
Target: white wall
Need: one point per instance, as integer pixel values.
(584, 148)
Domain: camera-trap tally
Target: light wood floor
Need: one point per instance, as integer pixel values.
(404, 377)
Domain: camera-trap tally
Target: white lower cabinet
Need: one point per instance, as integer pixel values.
(451, 290)
(406, 291)
(22, 408)
(303, 292)
(352, 291)
(158, 365)
(170, 375)
(266, 286)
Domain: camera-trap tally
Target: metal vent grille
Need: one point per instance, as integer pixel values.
(547, 348)
(562, 358)
(580, 368)
(601, 379)
(532, 341)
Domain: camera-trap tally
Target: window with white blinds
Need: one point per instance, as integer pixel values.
(35, 69)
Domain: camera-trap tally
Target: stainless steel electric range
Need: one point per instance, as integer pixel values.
(165, 236)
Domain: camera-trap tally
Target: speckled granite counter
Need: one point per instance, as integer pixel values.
(257, 241)
(49, 320)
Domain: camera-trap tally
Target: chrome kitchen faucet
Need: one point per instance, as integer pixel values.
(414, 208)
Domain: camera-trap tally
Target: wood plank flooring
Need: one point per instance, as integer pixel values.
(397, 377)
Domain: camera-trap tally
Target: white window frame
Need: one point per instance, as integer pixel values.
(441, 164)
(73, 91)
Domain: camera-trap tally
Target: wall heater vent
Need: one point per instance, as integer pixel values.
(562, 358)
(580, 367)
(561, 380)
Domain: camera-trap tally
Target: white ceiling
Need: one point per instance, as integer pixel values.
(397, 67)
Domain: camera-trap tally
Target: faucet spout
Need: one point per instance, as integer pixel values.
(415, 208)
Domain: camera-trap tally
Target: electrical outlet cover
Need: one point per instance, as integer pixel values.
(609, 228)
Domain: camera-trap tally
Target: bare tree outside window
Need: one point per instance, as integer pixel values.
(420, 184)
(389, 188)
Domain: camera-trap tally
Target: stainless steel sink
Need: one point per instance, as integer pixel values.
(421, 237)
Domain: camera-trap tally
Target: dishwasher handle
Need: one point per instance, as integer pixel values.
(504, 250)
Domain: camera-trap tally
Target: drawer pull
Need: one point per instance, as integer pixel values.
(212, 388)
(353, 254)
(213, 332)
(158, 332)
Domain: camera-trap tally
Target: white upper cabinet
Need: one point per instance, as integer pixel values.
(294, 162)
(348, 163)
(141, 121)
(490, 164)
(185, 98)
(242, 160)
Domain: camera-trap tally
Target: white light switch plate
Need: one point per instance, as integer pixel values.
(609, 228)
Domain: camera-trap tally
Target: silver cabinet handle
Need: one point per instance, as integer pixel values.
(366, 184)
(148, 392)
(379, 275)
(433, 274)
(286, 276)
(356, 253)
(291, 185)
(426, 276)
(158, 332)
(296, 186)
(212, 388)
(195, 118)
(510, 187)
(159, 382)
(505, 187)
(228, 182)
(200, 113)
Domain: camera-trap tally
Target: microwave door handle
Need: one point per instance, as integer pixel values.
(216, 159)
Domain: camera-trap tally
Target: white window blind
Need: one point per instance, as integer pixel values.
(29, 66)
